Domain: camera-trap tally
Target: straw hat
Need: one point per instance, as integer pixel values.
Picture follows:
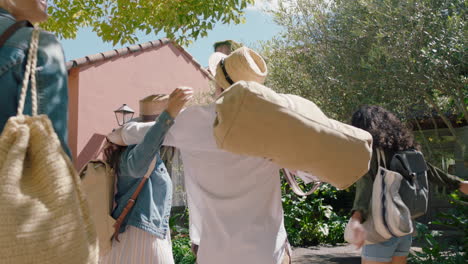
(243, 64)
(150, 108)
(213, 61)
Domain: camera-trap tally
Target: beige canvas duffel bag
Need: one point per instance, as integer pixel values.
(292, 131)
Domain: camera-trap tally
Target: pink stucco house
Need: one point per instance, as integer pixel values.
(101, 83)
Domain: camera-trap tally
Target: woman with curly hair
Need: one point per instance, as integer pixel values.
(390, 135)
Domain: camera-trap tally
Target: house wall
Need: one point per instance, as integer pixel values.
(73, 96)
(105, 86)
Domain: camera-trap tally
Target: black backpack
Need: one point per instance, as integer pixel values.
(414, 190)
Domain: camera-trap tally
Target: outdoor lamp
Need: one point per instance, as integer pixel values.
(123, 114)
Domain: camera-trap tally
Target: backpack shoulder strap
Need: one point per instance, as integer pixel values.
(408, 163)
(12, 29)
(381, 157)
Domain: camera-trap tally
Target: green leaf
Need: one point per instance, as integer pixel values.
(324, 229)
(117, 21)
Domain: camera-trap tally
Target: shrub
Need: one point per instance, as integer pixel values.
(181, 245)
(443, 251)
(311, 220)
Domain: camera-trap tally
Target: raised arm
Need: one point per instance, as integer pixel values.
(443, 179)
(139, 156)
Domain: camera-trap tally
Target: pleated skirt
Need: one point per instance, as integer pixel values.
(137, 246)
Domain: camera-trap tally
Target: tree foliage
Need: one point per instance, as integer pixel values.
(118, 21)
(408, 56)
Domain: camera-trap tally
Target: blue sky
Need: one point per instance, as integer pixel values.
(259, 26)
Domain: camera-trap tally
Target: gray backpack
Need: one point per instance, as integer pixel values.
(414, 190)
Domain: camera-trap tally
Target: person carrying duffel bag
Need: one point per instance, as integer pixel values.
(293, 132)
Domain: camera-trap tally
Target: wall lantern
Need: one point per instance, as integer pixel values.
(123, 114)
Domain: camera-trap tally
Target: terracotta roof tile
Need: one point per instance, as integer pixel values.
(110, 54)
(134, 48)
(95, 57)
(103, 56)
(146, 45)
(122, 51)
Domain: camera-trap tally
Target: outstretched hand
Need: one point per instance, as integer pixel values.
(177, 99)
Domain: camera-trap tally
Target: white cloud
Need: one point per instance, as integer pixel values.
(262, 5)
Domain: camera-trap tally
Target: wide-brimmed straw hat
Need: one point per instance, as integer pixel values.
(243, 64)
(213, 61)
(150, 108)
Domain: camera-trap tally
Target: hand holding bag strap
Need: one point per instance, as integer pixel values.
(131, 201)
(12, 29)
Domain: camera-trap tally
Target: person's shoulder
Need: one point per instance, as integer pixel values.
(200, 108)
(194, 120)
(49, 45)
(51, 53)
(197, 112)
(23, 37)
(48, 38)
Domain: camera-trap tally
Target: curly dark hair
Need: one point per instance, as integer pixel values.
(387, 131)
(112, 153)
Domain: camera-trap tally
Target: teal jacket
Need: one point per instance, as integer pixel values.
(153, 206)
(51, 76)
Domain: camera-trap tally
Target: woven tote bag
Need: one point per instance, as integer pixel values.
(44, 215)
(293, 132)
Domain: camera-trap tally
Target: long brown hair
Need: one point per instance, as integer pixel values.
(112, 153)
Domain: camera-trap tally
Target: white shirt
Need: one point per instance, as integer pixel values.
(236, 215)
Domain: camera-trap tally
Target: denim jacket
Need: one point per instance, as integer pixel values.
(153, 206)
(51, 76)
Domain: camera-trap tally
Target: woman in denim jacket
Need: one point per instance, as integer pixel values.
(51, 75)
(145, 234)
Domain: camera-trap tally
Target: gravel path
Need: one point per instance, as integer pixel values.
(340, 254)
(343, 254)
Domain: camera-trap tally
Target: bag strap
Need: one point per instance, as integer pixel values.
(406, 173)
(30, 73)
(381, 157)
(132, 200)
(12, 29)
(295, 186)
